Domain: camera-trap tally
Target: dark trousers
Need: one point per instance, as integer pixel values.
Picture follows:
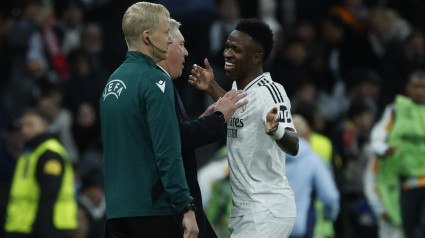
(413, 212)
(145, 227)
(46, 233)
(54, 234)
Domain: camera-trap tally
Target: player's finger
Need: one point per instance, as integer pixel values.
(270, 127)
(272, 114)
(197, 68)
(270, 130)
(194, 72)
(193, 78)
(207, 64)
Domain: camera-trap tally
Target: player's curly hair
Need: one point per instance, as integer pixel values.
(260, 33)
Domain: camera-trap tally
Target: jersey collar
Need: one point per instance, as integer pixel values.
(256, 80)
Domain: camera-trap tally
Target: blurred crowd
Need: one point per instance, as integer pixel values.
(340, 61)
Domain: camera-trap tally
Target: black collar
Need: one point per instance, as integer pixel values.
(35, 142)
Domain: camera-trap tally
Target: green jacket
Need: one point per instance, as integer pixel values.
(408, 135)
(143, 168)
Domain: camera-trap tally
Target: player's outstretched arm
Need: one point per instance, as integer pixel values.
(289, 142)
(285, 138)
(203, 79)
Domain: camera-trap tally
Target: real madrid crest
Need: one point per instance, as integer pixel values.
(243, 108)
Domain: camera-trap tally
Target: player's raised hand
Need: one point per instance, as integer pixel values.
(201, 78)
(229, 103)
(272, 123)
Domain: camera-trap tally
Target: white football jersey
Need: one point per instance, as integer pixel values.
(256, 163)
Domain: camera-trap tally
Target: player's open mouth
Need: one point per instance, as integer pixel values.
(228, 66)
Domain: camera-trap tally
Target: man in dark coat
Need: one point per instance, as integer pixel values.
(208, 128)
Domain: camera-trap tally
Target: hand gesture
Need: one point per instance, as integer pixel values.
(201, 78)
(229, 103)
(272, 123)
(189, 225)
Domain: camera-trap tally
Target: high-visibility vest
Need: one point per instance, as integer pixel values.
(25, 193)
(408, 135)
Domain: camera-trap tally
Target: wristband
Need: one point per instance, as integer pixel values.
(190, 207)
(279, 133)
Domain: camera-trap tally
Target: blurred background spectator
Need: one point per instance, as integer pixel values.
(310, 177)
(51, 103)
(92, 201)
(12, 146)
(340, 61)
(70, 27)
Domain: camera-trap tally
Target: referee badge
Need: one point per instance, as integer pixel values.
(114, 87)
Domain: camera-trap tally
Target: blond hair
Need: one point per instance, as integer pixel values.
(139, 17)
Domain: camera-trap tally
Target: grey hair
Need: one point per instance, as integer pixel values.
(174, 24)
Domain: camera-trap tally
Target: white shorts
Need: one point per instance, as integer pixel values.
(261, 224)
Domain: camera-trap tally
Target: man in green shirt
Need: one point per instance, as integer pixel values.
(145, 185)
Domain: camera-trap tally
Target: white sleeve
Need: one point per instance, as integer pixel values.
(381, 130)
(369, 188)
(274, 95)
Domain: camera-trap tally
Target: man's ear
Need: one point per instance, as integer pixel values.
(145, 37)
(258, 58)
